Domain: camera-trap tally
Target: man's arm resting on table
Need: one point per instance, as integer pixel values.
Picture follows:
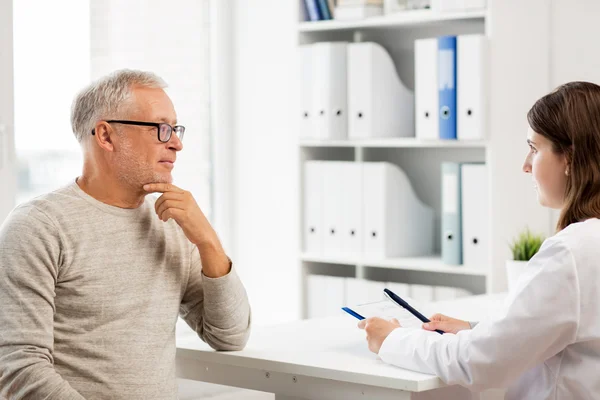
(217, 308)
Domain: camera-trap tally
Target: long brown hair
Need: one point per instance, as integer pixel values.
(570, 118)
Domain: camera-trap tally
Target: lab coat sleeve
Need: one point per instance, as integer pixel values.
(540, 319)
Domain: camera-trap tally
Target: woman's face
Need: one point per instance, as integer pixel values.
(548, 170)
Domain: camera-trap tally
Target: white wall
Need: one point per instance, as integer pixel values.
(574, 36)
(519, 75)
(170, 39)
(574, 51)
(7, 158)
(48, 155)
(266, 201)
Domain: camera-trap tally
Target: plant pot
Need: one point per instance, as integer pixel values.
(513, 272)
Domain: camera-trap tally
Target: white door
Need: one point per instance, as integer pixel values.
(7, 146)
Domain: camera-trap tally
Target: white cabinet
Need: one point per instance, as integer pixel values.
(518, 75)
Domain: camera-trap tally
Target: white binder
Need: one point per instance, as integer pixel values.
(333, 213)
(329, 90)
(476, 215)
(444, 293)
(325, 295)
(422, 293)
(350, 204)
(313, 229)
(472, 56)
(426, 89)
(452, 250)
(396, 222)
(360, 291)
(379, 104)
(400, 288)
(306, 129)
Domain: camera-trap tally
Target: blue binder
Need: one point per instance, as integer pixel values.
(312, 8)
(324, 9)
(451, 214)
(447, 86)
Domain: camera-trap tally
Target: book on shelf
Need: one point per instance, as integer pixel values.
(324, 9)
(318, 10)
(332, 4)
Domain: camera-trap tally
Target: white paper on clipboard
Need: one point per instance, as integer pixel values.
(387, 310)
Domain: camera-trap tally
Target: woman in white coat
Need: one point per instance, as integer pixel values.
(546, 343)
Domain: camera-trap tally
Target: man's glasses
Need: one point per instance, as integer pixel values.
(164, 130)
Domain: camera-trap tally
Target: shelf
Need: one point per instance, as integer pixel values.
(397, 20)
(395, 143)
(430, 263)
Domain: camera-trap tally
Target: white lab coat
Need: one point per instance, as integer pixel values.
(546, 342)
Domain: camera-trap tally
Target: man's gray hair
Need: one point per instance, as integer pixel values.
(107, 98)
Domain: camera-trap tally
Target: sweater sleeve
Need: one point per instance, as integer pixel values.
(29, 263)
(216, 308)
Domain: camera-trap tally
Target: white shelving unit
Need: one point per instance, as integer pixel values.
(408, 19)
(517, 34)
(395, 143)
(426, 264)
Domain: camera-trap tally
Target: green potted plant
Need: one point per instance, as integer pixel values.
(523, 248)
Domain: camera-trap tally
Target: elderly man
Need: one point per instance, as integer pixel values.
(94, 275)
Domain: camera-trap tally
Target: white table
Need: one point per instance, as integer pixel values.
(320, 359)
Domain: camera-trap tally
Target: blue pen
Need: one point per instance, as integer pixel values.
(353, 313)
(396, 299)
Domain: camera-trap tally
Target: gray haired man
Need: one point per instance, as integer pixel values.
(94, 275)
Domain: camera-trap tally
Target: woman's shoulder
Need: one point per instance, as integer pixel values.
(588, 229)
(579, 237)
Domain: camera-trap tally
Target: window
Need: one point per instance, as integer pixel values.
(58, 52)
(52, 62)
(172, 40)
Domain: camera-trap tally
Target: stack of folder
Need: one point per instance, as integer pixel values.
(352, 91)
(451, 87)
(465, 214)
(324, 91)
(363, 210)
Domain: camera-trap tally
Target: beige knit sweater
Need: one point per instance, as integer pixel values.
(90, 295)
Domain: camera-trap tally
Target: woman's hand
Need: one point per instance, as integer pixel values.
(446, 324)
(377, 330)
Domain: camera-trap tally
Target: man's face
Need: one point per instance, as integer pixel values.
(139, 156)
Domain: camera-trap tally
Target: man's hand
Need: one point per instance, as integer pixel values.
(446, 324)
(377, 330)
(181, 206)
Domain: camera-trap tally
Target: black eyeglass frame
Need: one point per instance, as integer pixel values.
(157, 125)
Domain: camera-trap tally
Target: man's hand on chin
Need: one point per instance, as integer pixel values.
(180, 205)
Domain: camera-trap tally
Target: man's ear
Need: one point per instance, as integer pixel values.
(103, 134)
